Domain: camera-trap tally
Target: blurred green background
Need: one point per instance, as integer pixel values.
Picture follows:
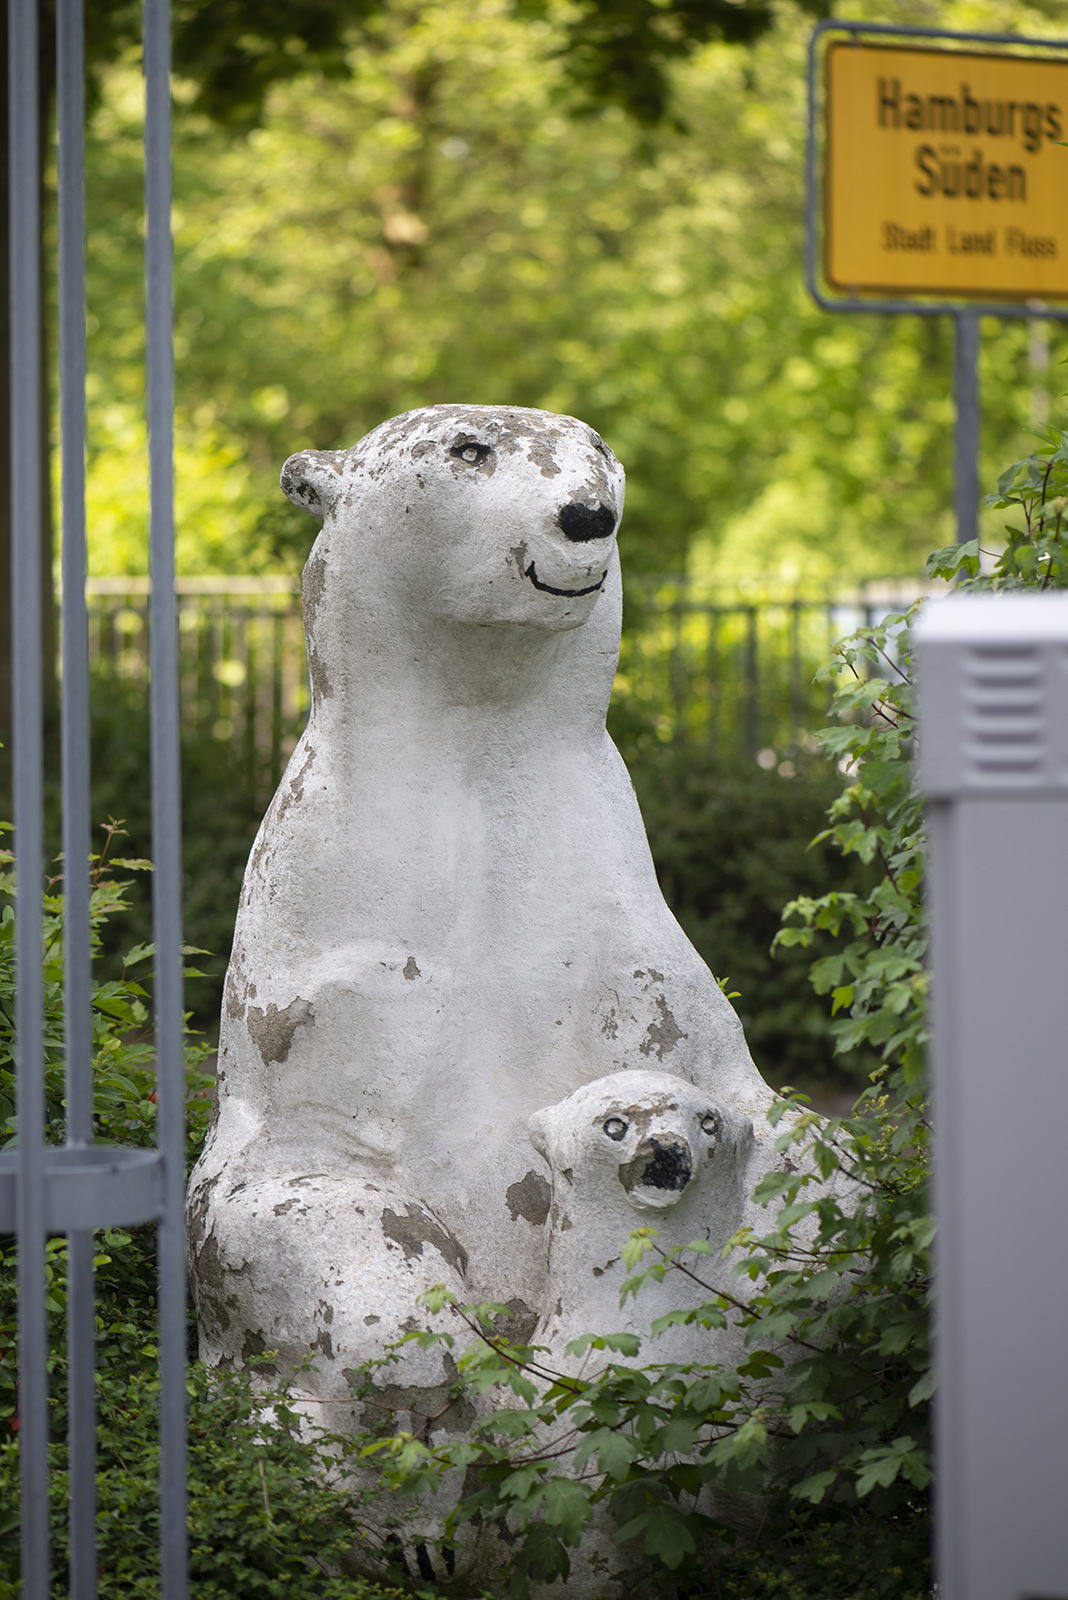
(453, 215)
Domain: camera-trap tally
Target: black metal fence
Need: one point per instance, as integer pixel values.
(242, 667)
(736, 674)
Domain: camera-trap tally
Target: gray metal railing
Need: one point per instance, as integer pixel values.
(738, 673)
(80, 1186)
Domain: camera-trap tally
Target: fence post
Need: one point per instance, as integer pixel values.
(166, 798)
(74, 710)
(27, 708)
(993, 747)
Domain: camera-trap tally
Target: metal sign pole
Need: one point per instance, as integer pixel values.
(925, 255)
(966, 430)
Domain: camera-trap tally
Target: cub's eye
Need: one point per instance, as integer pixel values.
(710, 1123)
(615, 1127)
(467, 450)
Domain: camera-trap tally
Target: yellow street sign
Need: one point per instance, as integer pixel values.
(944, 173)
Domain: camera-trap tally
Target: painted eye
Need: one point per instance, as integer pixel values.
(615, 1127)
(467, 450)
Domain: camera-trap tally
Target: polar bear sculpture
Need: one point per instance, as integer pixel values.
(450, 916)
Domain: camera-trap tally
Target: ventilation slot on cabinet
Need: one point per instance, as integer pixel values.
(1004, 713)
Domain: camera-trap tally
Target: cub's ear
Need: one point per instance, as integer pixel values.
(313, 478)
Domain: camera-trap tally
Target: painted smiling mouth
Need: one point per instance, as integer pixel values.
(547, 588)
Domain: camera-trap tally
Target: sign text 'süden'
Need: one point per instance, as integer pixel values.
(945, 173)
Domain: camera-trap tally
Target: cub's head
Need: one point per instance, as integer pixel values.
(650, 1136)
(478, 514)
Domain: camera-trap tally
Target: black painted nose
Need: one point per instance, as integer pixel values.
(669, 1168)
(581, 523)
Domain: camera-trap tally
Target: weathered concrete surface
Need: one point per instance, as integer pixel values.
(450, 917)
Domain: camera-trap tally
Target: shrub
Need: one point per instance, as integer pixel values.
(732, 844)
(266, 1521)
(827, 1416)
(123, 1077)
(221, 809)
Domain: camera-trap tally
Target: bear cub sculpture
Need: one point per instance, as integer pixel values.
(630, 1150)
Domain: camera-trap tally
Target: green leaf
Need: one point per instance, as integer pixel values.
(567, 1507)
(627, 1344)
(615, 1451)
(951, 559)
(666, 1533)
(923, 1388)
(813, 1489)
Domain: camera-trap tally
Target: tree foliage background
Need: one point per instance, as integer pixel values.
(385, 206)
(448, 205)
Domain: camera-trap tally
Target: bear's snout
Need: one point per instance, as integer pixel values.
(581, 523)
(657, 1173)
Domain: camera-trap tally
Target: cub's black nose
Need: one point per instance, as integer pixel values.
(581, 523)
(670, 1167)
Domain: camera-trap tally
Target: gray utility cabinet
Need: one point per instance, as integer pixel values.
(993, 674)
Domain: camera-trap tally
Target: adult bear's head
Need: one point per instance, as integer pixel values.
(473, 514)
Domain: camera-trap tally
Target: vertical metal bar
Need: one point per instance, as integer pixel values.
(276, 700)
(796, 696)
(966, 431)
(26, 486)
(108, 649)
(187, 670)
(166, 801)
(677, 667)
(216, 686)
(223, 688)
(204, 638)
(752, 683)
(811, 171)
(78, 1028)
(251, 624)
(712, 672)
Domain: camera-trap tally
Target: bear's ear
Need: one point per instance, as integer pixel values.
(312, 479)
(540, 1132)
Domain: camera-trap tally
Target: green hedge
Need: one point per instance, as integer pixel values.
(731, 844)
